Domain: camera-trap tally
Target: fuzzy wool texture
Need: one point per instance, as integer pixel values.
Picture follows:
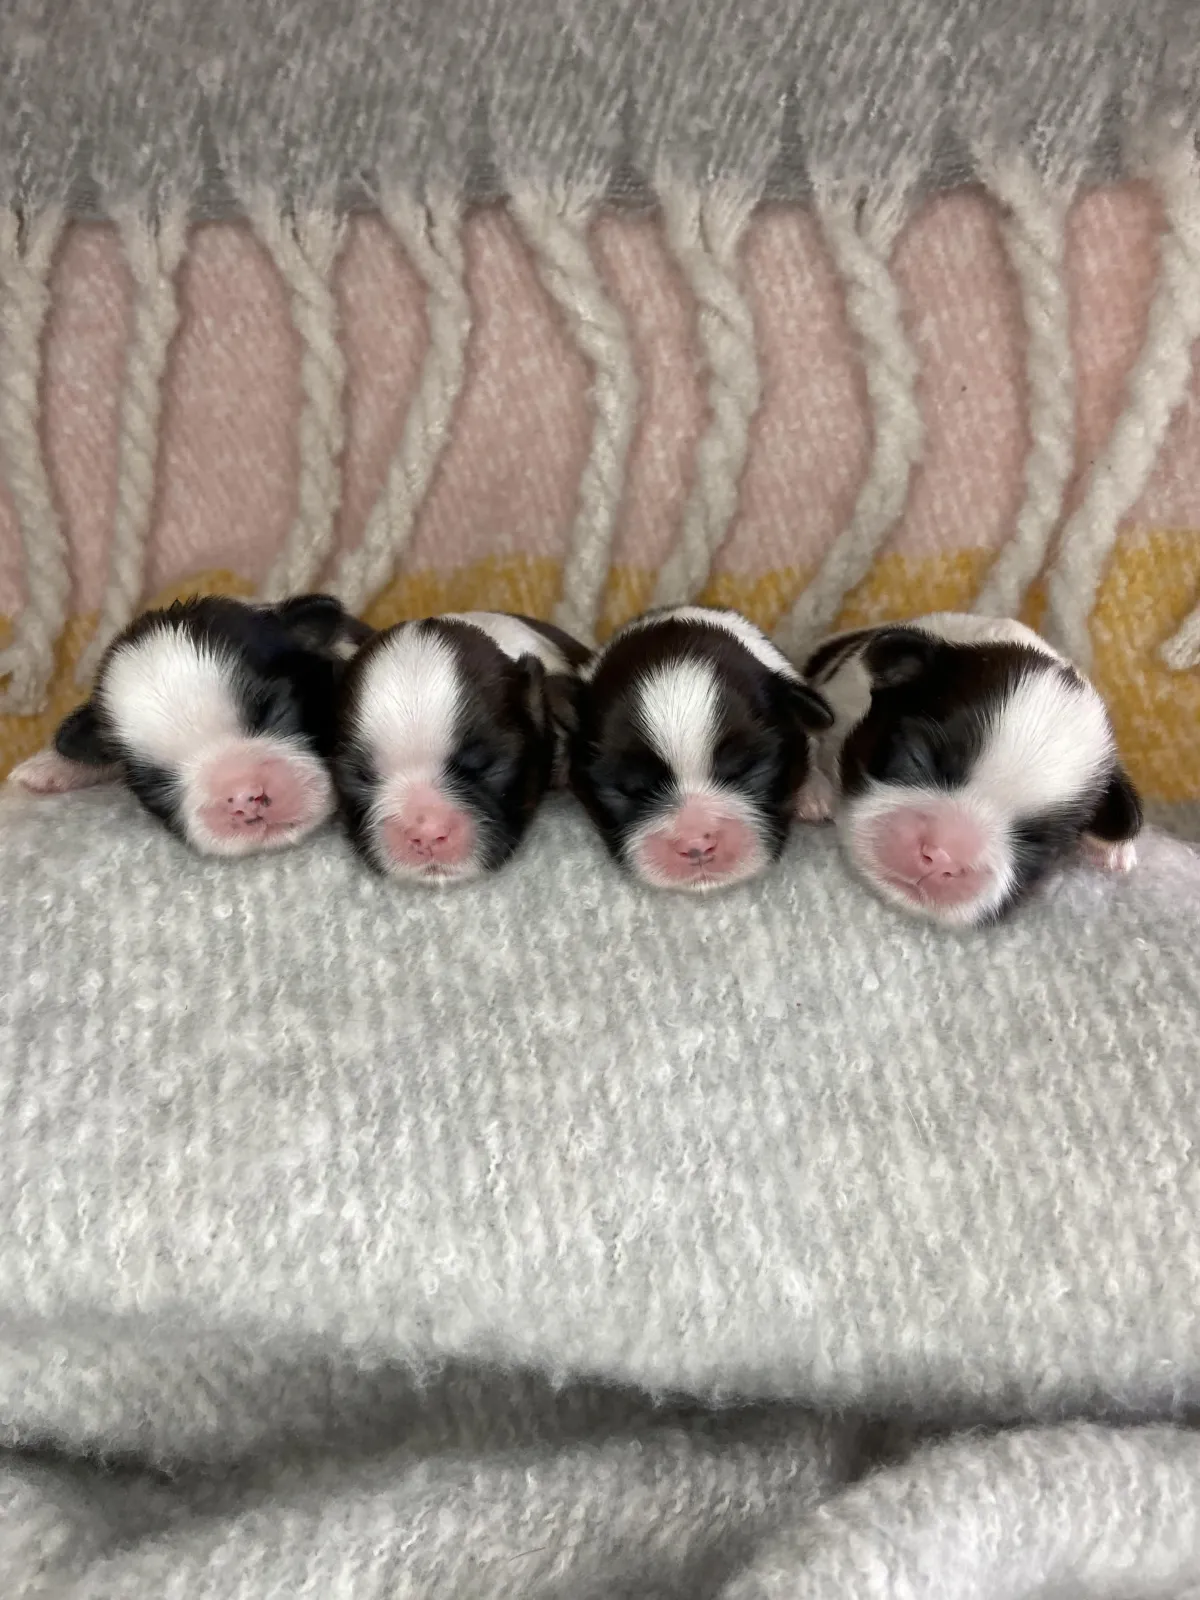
(380, 1242)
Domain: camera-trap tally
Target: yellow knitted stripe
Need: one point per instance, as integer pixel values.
(1149, 588)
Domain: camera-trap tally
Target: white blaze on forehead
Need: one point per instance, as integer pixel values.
(514, 637)
(169, 696)
(676, 708)
(737, 627)
(408, 703)
(1047, 744)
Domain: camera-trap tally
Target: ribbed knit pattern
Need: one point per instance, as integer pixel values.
(398, 1200)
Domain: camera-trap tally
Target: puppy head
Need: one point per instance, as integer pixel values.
(974, 769)
(216, 714)
(447, 746)
(691, 745)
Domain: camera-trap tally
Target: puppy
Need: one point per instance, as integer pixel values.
(690, 746)
(452, 730)
(219, 716)
(967, 758)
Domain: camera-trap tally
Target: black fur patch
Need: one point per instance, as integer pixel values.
(927, 727)
(285, 675)
(504, 752)
(761, 748)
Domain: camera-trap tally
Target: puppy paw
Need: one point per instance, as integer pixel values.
(814, 803)
(49, 773)
(1109, 855)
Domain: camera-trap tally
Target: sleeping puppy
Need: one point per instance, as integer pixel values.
(452, 730)
(218, 715)
(690, 746)
(966, 760)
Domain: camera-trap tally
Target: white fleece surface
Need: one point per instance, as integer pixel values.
(414, 1233)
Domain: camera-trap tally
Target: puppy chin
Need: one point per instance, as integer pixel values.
(300, 797)
(976, 902)
(430, 875)
(407, 810)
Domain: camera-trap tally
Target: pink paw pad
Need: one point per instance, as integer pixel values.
(935, 857)
(815, 801)
(1109, 855)
(49, 773)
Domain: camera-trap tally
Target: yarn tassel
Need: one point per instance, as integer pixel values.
(304, 248)
(705, 229)
(27, 248)
(430, 232)
(861, 238)
(1034, 228)
(154, 248)
(554, 222)
(1157, 386)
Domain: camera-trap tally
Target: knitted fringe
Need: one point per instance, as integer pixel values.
(705, 226)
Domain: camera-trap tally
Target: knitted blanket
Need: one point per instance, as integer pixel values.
(555, 1237)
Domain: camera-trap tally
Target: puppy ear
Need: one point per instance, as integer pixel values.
(810, 708)
(562, 693)
(1118, 813)
(321, 621)
(898, 655)
(80, 738)
(832, 651)
(532, 675)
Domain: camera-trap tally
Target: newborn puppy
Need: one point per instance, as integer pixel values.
(967, 758)
(452, 730)
(691, 745)
(218, 715)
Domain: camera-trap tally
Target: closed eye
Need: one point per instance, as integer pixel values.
(738, 762)
(492, 765)
(631, 782)
(474, 758)
(917, 752)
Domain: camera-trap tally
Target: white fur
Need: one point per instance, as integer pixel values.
(168, 696)
(848, 691)
(407, 716)
(730, 622)
(677, 707)
(409, 701)
(514, 637)
(1049, 742)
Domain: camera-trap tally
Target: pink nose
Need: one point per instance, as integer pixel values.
(250, 807)
(700, 844)
(695, 845)
(247, 790)
(938, 854)
(429, 831)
